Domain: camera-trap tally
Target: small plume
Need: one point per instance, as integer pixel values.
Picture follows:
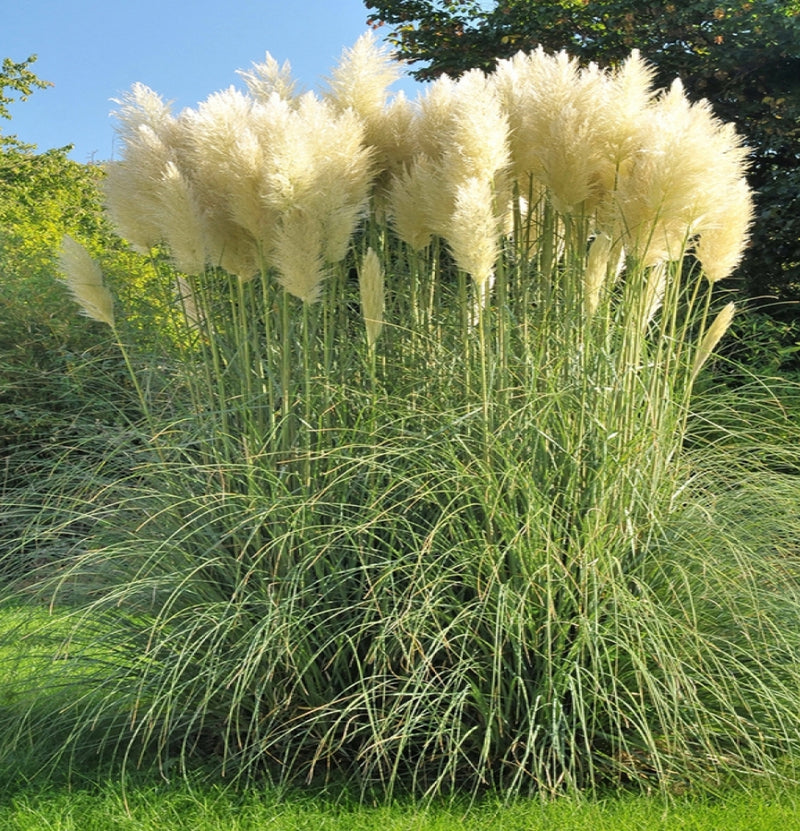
(653, 297)
(721, 245)
(361, 80)
(605, 258)
(85, 282)
(182, 221)
(410, 197)
(474, 232)
(712, 337)
(150, 136)
(269, 78)
(371, 288)
(298, 256)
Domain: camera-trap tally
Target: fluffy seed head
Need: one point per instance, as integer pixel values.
(712, 337)
(552, 109)
(461, 135)
(149, 135)
(318, 165)
(298, 256)
(360, 82)
(85, 282)
(685, 178)
(462, 127)
(371, 288)
(181, 221)
(605, 260)
(725, 230)
(474, 231)
(391, 136)
(623, 100)
(225, 139)
(268, 78)
(408, 203)
(653, 296)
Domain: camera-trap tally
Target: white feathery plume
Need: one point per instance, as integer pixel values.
(361, 80)
(182, 222)
(149, 135)
(371, 289)
(85, 281)
(655, 288)
(225, 137)
(605, 260)
(298, 256)
(408, 204)
(474, 232)
(686, 178)
(552, 109)
(268, 78)
(712, 337)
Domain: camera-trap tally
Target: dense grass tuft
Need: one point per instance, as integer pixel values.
(487, 539)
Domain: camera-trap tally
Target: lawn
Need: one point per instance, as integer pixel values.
(154, 806)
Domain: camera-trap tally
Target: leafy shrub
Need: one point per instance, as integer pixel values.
(763, 343)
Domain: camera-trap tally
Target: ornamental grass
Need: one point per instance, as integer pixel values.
(417, 510)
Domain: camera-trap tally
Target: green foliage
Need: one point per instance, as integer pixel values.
(20, 81)
(56, 365)
(42, 346)
(402, 583)
(720, 50)
(744, 57)
(762, 344)
(411, 619)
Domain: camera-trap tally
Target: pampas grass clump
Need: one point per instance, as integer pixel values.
(421, 513)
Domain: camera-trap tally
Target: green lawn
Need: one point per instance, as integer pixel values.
(142, 807)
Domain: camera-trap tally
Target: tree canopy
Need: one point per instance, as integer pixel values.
(17, 82)
(737, 39)
(743, 56)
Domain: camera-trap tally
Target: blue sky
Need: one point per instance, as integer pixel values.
(94, 51)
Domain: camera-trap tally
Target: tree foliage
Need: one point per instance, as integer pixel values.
(17, 78)
(17, 82)
(48, 353)
(743, 56)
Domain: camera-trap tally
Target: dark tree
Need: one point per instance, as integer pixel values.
(743, 56)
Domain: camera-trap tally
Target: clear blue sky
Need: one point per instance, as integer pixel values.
(94, 51)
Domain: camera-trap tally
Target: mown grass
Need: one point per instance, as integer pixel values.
(147, 806)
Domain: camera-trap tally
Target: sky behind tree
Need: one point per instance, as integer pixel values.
(95, 51)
